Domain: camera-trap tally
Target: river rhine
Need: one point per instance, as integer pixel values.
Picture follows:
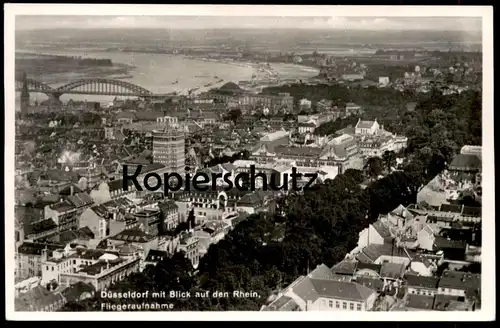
(158, 72)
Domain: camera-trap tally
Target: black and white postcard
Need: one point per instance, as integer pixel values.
(271, 162)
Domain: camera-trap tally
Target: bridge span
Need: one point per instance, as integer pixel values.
(93, 86)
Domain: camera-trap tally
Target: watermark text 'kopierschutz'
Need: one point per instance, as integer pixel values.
(202, 181)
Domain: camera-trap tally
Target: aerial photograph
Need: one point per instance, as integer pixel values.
(253, 163)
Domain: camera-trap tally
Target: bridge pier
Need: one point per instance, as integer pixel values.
(54, 97)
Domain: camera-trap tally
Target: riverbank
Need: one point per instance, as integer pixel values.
(56, 69)
(230, 61)
(167, 73)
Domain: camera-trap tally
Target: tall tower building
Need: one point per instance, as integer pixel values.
(25, 95)
(169, 148)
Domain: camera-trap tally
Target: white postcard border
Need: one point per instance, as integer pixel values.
(487, 311)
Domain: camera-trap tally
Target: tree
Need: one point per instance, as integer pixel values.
(234, 114)
(373, 167)
(389, 160)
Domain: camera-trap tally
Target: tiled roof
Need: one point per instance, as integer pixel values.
(422, 281)
(30, 248)
(321, 272)
(369, 266)
(402, 211)
(39, 227)
(342, 277)
(460, 280)
(63, 206)
(36, 299)
(298, 151)
(445, 243)
(71, 235)
(127, 115)
(65, 237)
(256, 198)
(365, 124)
(382, 230)
(362, 258)
(283, 303)
(392, 270)
(372, 283)
(85, 233)
(349, 130)
(119, 202)
(80, 199)
(340, 149)
(127, 249)
(133, 235)
(421, 302)
(92, 254)
(339, 290)
(463, 161)
(345, 267)
(149, 115)
(100, 210)
(445, 302)
(373, 251)
(98, 267)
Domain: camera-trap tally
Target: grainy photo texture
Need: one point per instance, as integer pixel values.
(384, 112)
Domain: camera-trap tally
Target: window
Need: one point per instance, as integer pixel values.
(344, 305)
(351, 306)
(330, 303)
(337, 304)
(358, 307)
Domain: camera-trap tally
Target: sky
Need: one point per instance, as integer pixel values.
(471, 24)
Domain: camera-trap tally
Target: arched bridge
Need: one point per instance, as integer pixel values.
(95, 86)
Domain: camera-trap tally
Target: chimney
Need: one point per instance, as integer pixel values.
(71, 190)
(44, 254)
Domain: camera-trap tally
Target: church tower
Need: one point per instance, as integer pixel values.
(25, 95)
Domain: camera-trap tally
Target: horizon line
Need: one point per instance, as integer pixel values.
(251, 28)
